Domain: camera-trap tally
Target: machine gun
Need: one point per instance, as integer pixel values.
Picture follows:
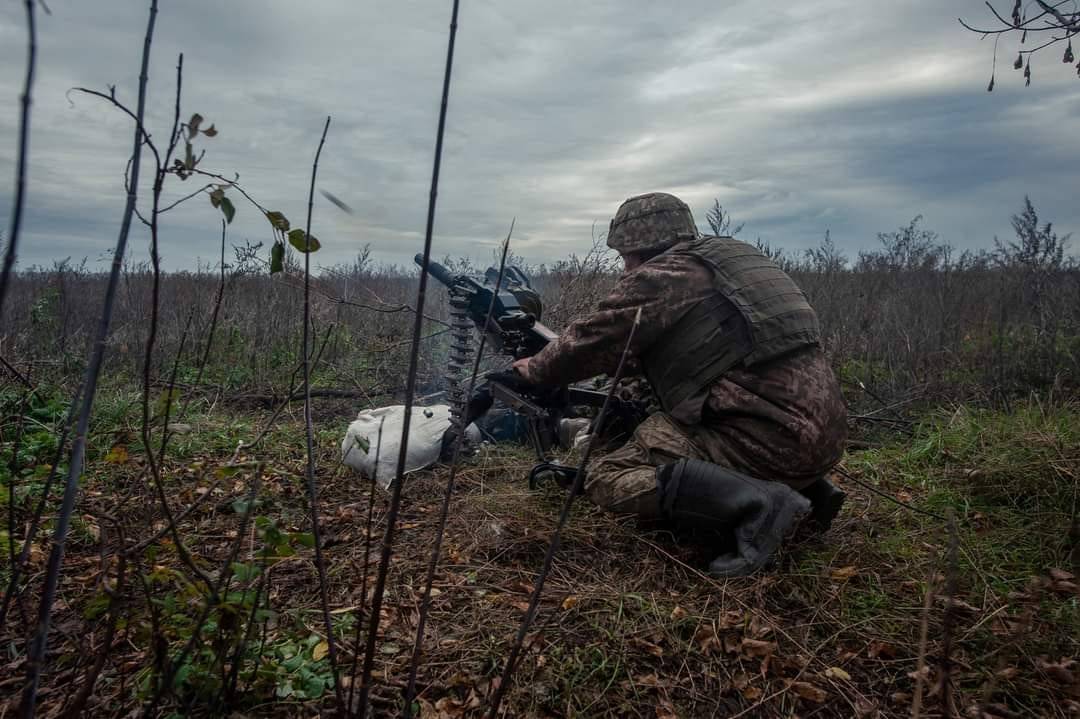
(515, 330)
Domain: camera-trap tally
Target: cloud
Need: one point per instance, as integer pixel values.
(799, 119)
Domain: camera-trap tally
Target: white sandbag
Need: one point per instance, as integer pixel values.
(425, 440)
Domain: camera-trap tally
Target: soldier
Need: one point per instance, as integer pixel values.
(752, 415)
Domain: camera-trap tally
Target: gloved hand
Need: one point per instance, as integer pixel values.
(511, 379)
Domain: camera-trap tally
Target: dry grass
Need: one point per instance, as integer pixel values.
(629, 625)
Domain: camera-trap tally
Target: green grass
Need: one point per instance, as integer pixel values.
(1009, 478)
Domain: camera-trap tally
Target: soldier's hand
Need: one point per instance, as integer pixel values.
(521, 366)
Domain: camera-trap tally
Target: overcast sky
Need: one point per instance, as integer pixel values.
(835, 114)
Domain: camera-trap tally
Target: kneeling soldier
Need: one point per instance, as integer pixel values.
(752, 413)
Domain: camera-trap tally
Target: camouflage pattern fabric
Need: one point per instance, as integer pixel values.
(785, 422)
(781, 420)
(651, 222)
(665, 288)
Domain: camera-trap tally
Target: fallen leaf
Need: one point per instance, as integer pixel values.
(923, 673)
(750, 693)
(655, 649)
(1058, 671)
(117, 455)
(570, 602)
(731, 619)
(1061, 575)
(665, 710)
(706, 639)
(837, 673)
(678, 613)
(757, 647)
(1007, 673)
(957, 604)
(648, 680)
(842, 574)
(900, 698)
(92, 527)
(426, 709)
(449, 708)
(320, 650)
(809, 692)
(881, 649)
(866, 709)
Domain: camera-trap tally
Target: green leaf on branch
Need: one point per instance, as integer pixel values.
(217, 196)
(210, 131)
(227, 209)
(193, 125)
(277, 257)
(278, 220)
(303, 242)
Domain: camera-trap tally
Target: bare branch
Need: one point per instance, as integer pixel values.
(410, 387)
(553, 546)
(444, 511)
(24, 151)
(309, 432)
(36, 654)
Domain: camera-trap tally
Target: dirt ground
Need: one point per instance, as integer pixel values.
(876, 618)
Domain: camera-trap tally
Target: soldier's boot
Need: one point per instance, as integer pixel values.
(825, 501)
(759, 514)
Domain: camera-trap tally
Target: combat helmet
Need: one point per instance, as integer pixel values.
(650, 222)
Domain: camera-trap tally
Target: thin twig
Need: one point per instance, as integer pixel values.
(553, 546)
(309, 432)
(39, 512)
(16, 373)
(24, 152)
(154, 462)
(444, 512)
(952, 571)
(924, 633)
(36, 655)
(78, 703)
(241, 446)
(168, 675)
(367, 565)
(847, 475)
(410, 386)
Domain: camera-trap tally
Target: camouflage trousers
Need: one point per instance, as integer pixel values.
(624, 480)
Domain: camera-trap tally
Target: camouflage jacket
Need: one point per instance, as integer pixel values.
(789, 410)
(664, 288)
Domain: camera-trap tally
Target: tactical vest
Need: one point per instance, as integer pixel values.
(757, 313)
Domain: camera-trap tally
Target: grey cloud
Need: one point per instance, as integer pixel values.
(799, 118)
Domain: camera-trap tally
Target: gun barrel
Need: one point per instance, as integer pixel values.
(435, 270)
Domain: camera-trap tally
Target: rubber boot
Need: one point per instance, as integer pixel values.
(825, 500)
(758, 513)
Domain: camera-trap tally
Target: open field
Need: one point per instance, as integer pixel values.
(960, 374)
(629, 626)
